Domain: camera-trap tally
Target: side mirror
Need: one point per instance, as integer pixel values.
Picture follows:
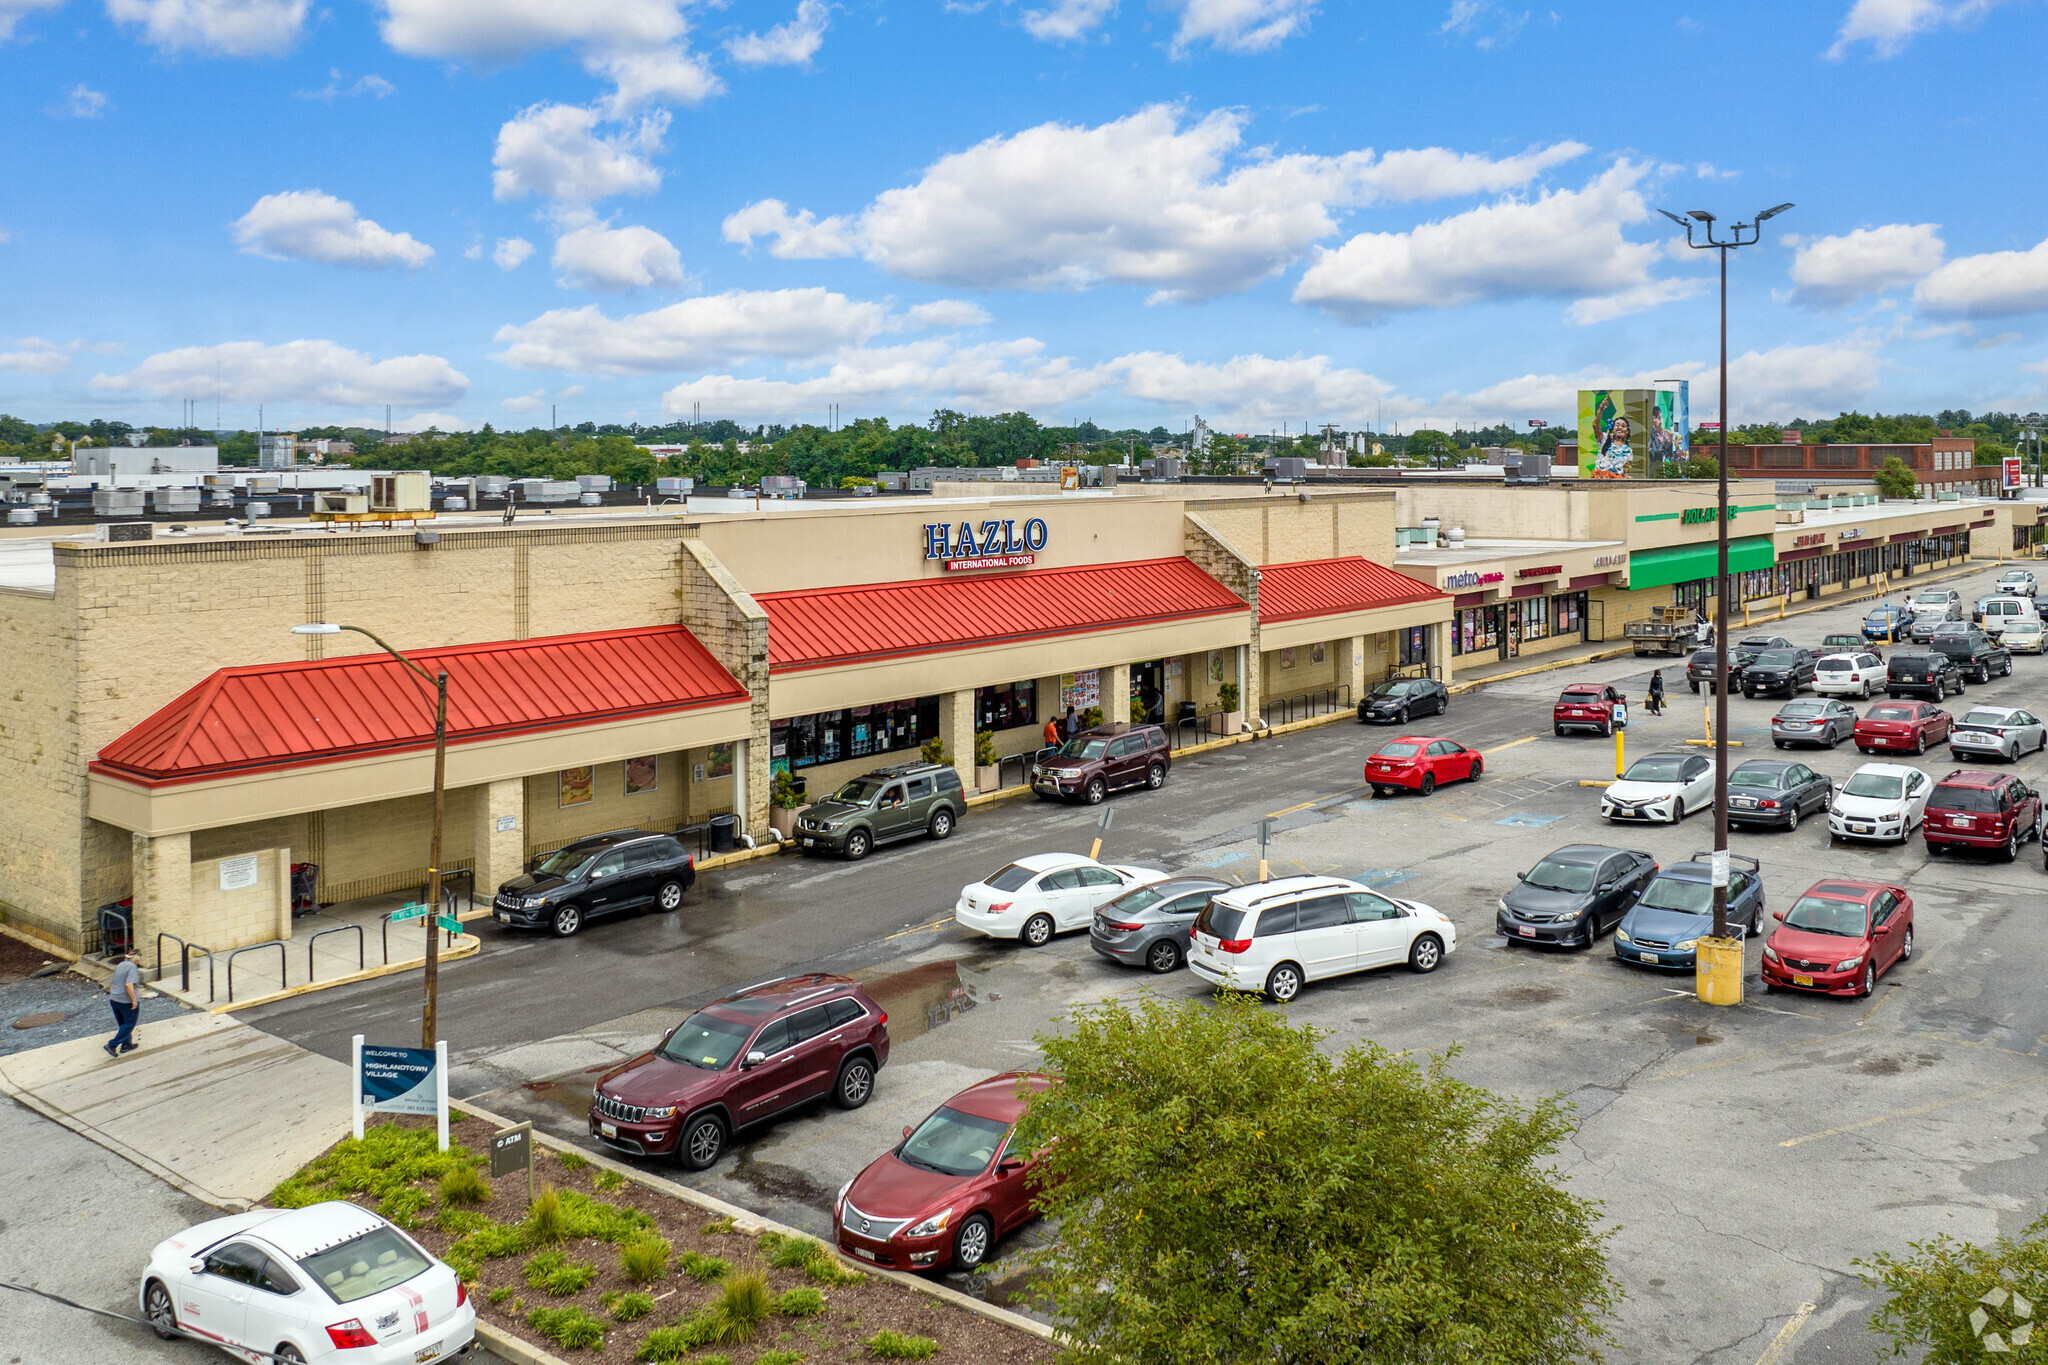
(1521, 876)
(755, 1059)
(906, 1130)
(1778, 915)
(1009, 1164)
(196, 1267)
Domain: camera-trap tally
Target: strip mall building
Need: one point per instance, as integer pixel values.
(169, 739)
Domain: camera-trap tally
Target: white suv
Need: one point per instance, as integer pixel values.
(1274, 936)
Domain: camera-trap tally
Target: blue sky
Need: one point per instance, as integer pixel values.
(1264, 211)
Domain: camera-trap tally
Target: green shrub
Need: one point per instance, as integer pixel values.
(386, 1159)
(500, 1294)
(645, 1258)
(460, 1222)
(743, 1300)
(985, 749)
(546, 1220)
(572, 1161)
(403, 1205)
(809, 1255)
(628, 1307)
(518, 1306)
(705, 1269)
(798, 1303)
(890, 1344)
(664, 1344)
(491, 1241)
(829, 1269)
(556, 1274)
(717, 1227)
(608, 1180)
(778, 1358)
(464, 1186)
(570, 1327)
(601, 1221)
(295, 1194)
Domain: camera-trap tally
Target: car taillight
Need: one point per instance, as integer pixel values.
(1119, 924)
(1855, 677)
(350, 1334)
(461, 1293)
(998, 907)
(1768, 804)
(885, 1016)
(1233, 945)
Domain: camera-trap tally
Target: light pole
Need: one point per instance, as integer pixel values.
(1736, 238)
(440, 682)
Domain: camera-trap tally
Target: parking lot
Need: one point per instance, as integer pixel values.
(1746, 1155)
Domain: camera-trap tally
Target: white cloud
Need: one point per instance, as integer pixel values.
(511, 252)
(1567, 243)
(1486, 24)
(997, 376)
(1996, 284)
(790, 44)
(435, 421)
(1146, 199)
(572, 391)
(340, 87)
(615, 260)
(1888, 25)
(12, 12)
(947, 313)
(292, 371)
(2038, 366)
(555, 151)
(311, 225)
(718, 329)
(235, 28)
(1067, 20)
(1830, 272)
(1251, 386)
(1238, 25)
(525, 402)
(82, 101)
(641, 78)
(798, 237)
(36, 356)
(1789, 380)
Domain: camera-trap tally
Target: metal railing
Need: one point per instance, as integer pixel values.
(185, 951)
(463, 878)
(311, 975)
(1307, 705)
(284, 974)
(1023, 762)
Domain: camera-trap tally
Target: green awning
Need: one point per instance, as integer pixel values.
(1685, 563)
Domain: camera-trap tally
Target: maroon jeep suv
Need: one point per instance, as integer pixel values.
(740, 1061)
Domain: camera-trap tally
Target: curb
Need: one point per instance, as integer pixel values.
(518, 1350)
(748, 1221)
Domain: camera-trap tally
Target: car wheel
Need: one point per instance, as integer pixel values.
(1792, 820)
(568, 919)
(1781, 744)
(1906, 947)
(1428, 783)
(1692, 686)
(1920, 743)
(1037, 931)
(1163, 956)
(857, 845)
(1097, 789)
(287, 1351)
(941, 825)
(1403, 716)
(1155, 776)
(2012, 845)
(702, 1143)
(1426, 954)
(1478, 769)
(670, 897)
(971, 1244)
(161, 1311)
(1558, 730)
(1283, 983)
(1378, 790)
(856, 1083)
(1869, 978)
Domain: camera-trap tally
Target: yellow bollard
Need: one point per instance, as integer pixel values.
(1618, 732)
(1718, 971)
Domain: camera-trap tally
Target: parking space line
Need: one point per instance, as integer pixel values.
(1525, 739)
(1340, 796)
(919, 929)
(1750, 1056)
(1911, 1113)
(1785, 1334)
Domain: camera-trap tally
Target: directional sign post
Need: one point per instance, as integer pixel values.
(410, 912)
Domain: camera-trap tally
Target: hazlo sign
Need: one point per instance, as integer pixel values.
(991, 545)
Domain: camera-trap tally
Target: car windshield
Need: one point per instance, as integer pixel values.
(2016, 576)
(858, 792)
(1776, 658)
(1082, 747)
(1583, 697)
(1889, 713)
(1826, 915)
(1747, 776)
(1876, 786)
(1550, 875)
(953, 1143)
(1219, 921)
(1012, 878)
(1878, 618)
(366, 1265)
(2026, 626)
(567, 863)
(1399, 750)
(1993, 718)
(1393, 689)
(1656, 768)
(706, 1042)
(1803, 708)
(1133, 901)
(1670, 893)
(1980, 800)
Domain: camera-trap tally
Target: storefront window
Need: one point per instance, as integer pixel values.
(1567, 612)
(855, 732)
(1415, 645)
(1536, 619)
(1475, 630)
(1006, 707)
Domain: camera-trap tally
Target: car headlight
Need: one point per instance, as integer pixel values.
(839, 1199)
(1770, 952)
(533, 902)
(936, 1223)
(1069, 773)
(1687, 946)
(832, 826)
(1621, 936)
(665, 1111)
(1850, 965)
(1502, 903)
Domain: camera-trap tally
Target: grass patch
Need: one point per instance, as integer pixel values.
(404, 1206)
(798, 1303)
(645, 1258)
(809, 1255)
(386, 1160)
(717, 1227)
(890, 1344)
(460, 1222)
(546, 1221)
(664, 1344)
(778, 1358)
(627, 1307)
(572, 1161)
(609, 1180)
(489, 1241)
(604, 1222)
(555, 1274)
(500, 1294)
(464, 1185)
(705, 1269)
(571, 1327)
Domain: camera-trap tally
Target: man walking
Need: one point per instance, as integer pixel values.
(124, 996)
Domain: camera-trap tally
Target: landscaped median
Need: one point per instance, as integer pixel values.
(600, 1268)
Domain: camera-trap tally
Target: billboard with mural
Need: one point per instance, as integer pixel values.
(1633, 433)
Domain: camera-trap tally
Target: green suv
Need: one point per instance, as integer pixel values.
(897, 802)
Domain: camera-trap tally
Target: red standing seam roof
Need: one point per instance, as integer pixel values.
(1333, 587)
(823, 627)
(286, 715)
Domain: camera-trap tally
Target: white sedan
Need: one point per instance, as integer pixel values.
(1661, 787)
(1882, 802)
(327, 1282)
(1036, 897)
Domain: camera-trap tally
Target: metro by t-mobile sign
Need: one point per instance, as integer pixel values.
(992, 545)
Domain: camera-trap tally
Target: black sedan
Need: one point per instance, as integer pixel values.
(1148, 927)
(1399, 700)
(1574, 895)
(1776, 792)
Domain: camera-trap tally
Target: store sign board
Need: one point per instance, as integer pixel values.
(991, 545)
(1614, 561)
(1854, 533)
(2010, 473)
(1540, 571)
(1694, 515)
(1473, 578)
(1817, 538)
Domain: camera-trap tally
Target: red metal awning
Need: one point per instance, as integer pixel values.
(824, 627)
(1334, 587)
(287, 715)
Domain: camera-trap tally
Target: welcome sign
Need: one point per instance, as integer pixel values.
(399, 1080)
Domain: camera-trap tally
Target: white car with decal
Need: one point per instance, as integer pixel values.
(1033, 898)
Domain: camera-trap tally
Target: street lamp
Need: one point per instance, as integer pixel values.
(440, 682)
(1736, 238)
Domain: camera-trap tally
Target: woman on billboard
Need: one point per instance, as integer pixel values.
(1615, 453)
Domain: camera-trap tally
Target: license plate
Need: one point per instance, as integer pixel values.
(498, 915)
(1647, 957)
(608, 1129)
(1526, 932)
(1860, 829)
(1802, 981)
(864, 1253)
(1959, 824)
(809, 843)
(426, 1353)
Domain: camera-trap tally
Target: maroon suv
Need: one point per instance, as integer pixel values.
(1096, 762)
(740, 1061)
(1981, 810)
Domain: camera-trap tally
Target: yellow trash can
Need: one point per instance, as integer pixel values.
(1719, 971)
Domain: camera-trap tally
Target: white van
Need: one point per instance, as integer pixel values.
(2004, 609)
(1272, 937)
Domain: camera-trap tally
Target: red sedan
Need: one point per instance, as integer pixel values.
(945, 1193)
(1902, 726)
(1839, 937)
(1420, 762)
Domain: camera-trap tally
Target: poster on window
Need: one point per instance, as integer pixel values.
(1287, 658)
(718, 761)
(1081, 690)
(578, 786)
(1215, 665)
(1318, 652)
(641, 775)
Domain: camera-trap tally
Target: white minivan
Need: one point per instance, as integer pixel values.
(1272, 937)
(2004, 609)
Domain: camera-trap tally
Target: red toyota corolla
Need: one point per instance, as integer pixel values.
(944, 1194)
(1419, 763)
(1902, 726)
(1838, 938)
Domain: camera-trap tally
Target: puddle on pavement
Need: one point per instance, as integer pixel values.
(777, 1181)
(1704, 1039)
(1527, 995)
(924, 997)
(569, 1092)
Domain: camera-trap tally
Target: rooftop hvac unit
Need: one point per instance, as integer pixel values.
(259, 486)
(116, 502)
(594, 483)
(342, 504)
(590, 499)
(257, 509)
(455, 502)
(673, 488)
(491, 485)
(175, 500)
(21, 516)
(407, 492)
(556, 490)
(1528, 467)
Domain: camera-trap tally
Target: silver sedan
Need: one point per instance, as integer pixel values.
(1997, 732)
(1823, 721)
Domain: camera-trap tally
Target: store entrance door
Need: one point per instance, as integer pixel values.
(1148, 685)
